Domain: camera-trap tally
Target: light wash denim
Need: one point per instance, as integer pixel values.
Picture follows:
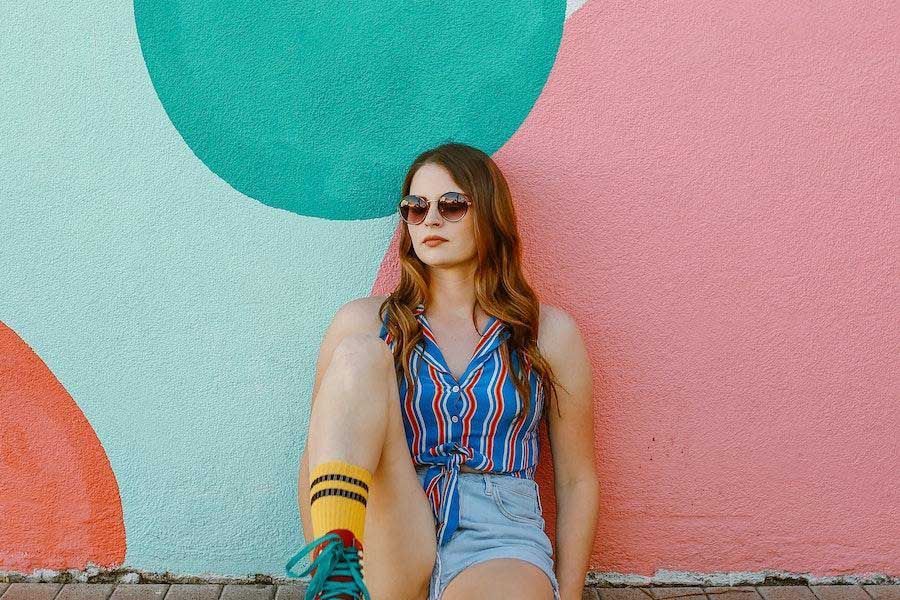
(500, 516)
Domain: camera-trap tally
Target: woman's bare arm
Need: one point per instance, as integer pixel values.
(571, 435)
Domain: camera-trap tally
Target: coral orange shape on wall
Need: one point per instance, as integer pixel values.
(59, 501)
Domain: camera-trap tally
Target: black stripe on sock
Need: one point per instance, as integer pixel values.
(339, 477)
(337, 492)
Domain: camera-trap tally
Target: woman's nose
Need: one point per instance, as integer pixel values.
(433, 215)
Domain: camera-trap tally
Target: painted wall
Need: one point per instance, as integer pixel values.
(190, 190)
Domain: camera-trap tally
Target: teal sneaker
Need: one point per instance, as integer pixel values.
(338, 565)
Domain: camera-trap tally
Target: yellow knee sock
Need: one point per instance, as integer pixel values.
(338, 493)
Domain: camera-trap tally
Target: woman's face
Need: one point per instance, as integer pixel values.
(431, 181)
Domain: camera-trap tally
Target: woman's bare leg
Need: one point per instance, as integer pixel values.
(356, 418)
(349, 420)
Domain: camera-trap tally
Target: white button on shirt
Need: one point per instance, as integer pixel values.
(455, 388)
(454, 418)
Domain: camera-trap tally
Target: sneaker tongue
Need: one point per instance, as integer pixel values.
(348, 538)
(349, 541)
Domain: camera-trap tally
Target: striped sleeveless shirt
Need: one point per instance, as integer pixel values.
(472, 421)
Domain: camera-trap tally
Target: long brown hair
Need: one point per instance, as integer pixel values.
(500, 285)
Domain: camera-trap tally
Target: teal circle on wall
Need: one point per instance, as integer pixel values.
(318, 107)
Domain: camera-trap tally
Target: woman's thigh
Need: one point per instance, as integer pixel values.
(500, 578)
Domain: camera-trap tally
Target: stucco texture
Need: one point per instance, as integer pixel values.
(710, 189)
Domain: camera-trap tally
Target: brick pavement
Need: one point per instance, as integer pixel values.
(255, 591)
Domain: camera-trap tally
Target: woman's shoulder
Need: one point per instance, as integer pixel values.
(360, 315)
(556, 330)
(552, 317)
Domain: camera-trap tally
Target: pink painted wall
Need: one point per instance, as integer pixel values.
(710, 189)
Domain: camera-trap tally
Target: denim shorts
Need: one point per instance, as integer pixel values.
(500, 516)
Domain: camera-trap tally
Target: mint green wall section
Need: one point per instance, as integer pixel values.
(182, 314)
(317, 107)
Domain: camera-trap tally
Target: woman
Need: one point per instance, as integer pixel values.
(426, 406)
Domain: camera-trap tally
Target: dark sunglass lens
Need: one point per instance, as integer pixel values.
(413, 210)
(452, 208)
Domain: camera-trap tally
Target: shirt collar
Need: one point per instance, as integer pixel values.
(497, 331)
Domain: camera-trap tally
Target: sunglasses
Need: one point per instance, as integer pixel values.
(452, 206)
